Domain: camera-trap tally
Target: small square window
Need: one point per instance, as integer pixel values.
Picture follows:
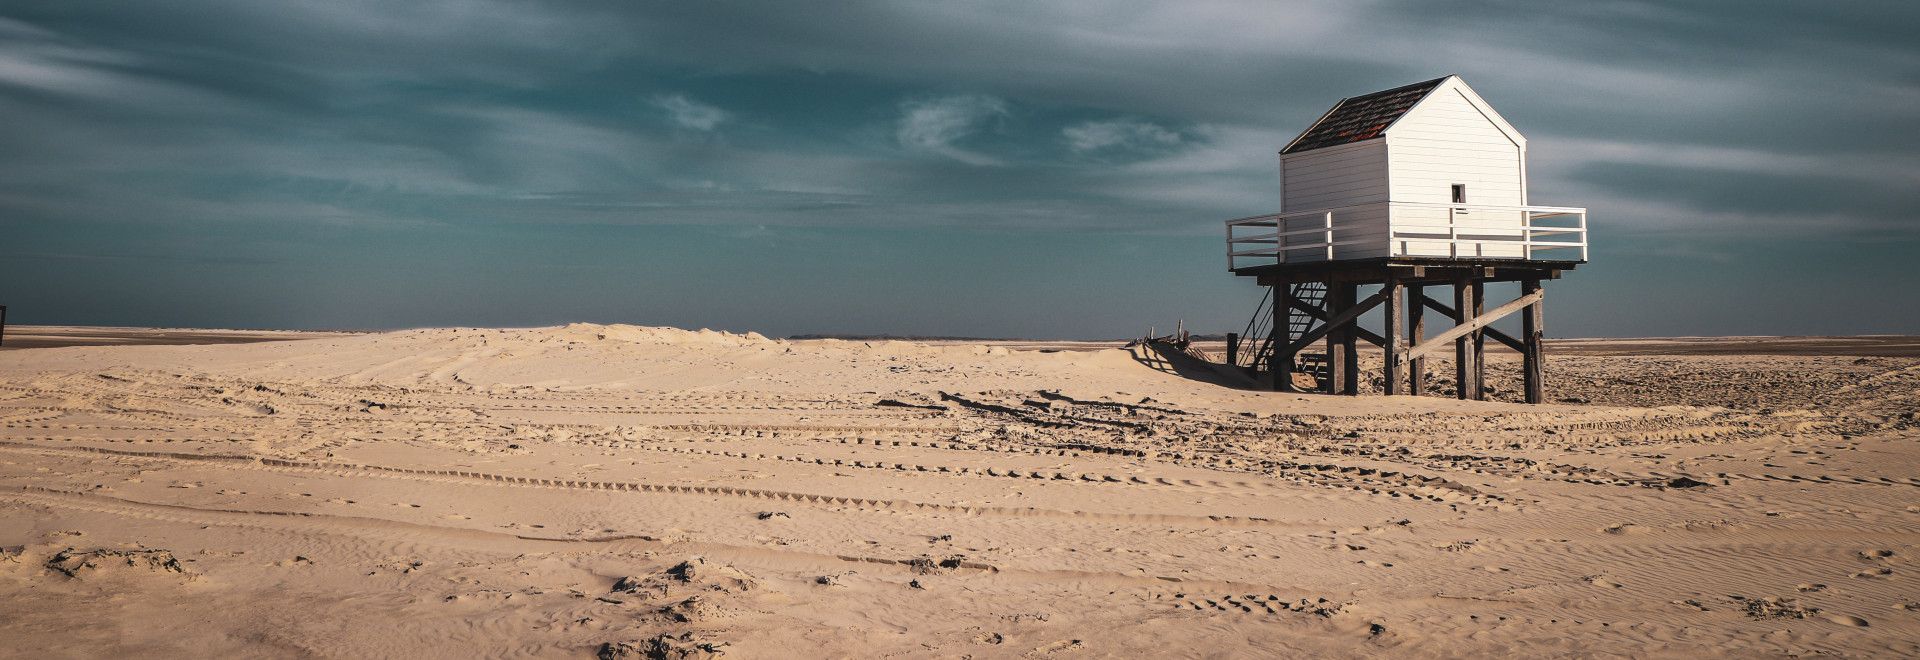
(1459, 193)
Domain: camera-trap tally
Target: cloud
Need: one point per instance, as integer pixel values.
(688, 113)
(1830, 202)
(46, 62)
(1118, 133)
(435, 109)
(934, 125)
(312, 131)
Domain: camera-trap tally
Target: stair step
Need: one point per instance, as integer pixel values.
(1297, 324)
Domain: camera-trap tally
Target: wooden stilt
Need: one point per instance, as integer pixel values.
(1233, 349)
(1396, 307)
(1280, 360)
(1479, 343)
(1463, 369)
(1408, 291)
(1337, 305)
(1349, 382)
(1416, 329)
(1532, 331)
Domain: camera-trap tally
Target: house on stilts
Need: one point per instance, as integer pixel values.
(1410, 189)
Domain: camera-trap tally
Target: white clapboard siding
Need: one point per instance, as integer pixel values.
(1367, 224)
(1446, 140)
(1336, 177)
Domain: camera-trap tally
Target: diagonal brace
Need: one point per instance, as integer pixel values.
(1502, 337)
(1338, 320)
(1471, 325)
(1321, 314)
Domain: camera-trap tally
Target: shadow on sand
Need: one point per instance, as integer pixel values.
(1167, 358)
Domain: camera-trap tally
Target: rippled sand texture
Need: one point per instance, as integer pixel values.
(566, 492)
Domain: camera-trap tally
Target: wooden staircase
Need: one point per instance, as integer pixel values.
(1259, 343)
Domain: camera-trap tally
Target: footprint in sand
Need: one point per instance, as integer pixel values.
(1695, 604)
(1600, 581)
(1057, 647)
(1846, 620)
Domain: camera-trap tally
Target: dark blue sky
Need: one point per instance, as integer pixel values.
(1004, 169)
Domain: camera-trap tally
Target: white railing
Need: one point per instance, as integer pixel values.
(1418, 229)
(1458, 231)
(1280, 243)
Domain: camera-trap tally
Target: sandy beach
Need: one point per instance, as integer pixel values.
(649, 492)
(1039, 330)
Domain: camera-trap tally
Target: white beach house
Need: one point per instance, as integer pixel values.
(1428, 170)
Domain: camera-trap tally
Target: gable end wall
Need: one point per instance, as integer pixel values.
(1446, 140)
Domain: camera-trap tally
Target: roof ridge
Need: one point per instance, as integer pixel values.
(1363, 117)
(1424, 83)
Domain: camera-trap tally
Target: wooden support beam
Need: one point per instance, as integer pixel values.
(1337, 304)
(1339, 318)
(1350, 335)
(1466, 327)
(1280, 359)
(1479, 336)
(1321, 314)
(1533, 329)
(1416, 329)
(1396, 307)
(1343, 358)
(1509, 340)
(1463, 370)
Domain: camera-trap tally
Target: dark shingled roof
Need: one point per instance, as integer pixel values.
(1362, 117)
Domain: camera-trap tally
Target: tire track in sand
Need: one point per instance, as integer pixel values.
(396, 532)
(474, 477)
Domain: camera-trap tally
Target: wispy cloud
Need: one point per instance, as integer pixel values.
(41, 60)
(1118, 133)
(688, 113)
(314, 126)
(934, 125)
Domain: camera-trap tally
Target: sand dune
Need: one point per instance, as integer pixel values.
(653, 492)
